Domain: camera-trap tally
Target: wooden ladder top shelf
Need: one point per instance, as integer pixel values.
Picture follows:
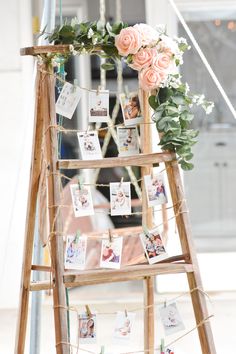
(50, 49)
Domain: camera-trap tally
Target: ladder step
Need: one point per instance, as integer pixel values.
(134, 272)
(108, 162)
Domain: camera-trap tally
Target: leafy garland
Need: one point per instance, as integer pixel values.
(172, 101)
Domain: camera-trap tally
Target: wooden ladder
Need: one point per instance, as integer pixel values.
(45, 136)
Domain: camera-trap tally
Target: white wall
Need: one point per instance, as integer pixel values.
(15, 142)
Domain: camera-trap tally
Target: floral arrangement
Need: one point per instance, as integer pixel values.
(156, 57)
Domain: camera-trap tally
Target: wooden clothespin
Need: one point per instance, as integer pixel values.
(146, 230)
(121, 182)
(126, 313)
(110, 235)
(88, 312)
(126, 89)
(102, 349)
(78, 234)
(162, 346)
(75, 84)
(80, 183)
(165, 303)
(98, 90)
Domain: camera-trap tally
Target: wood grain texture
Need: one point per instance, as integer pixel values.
(186, 240)
(108, 162)
(135, 272)
(54, 49)
(147, 221)
(56, 243)
(30, 218)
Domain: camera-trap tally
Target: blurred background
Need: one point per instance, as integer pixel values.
(210, 187)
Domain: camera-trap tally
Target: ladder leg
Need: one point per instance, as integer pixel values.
(149, 319)
(186, 239)
(30, 223)
(56, 243)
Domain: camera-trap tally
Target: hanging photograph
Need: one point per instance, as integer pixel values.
(75, 253)
(153, 246)
(155, 189)
(131, 108)
(120, 198)
(98, 106)
(171, 319)
(123, 325)
(68, 100)
(111, 252)
(87, 329)
(90, 148)
(82, 200)
(127, 141)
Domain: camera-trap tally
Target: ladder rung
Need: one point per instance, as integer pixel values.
(108, 162)
(135, 272)
(41, 285)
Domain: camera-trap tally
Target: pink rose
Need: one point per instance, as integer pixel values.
(162, 61)
(143, 58)
(150, 78)
(148, 35)
(128, 41)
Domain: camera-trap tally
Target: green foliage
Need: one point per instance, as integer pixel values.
(173, 117)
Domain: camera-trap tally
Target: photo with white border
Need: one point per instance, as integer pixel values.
(153, 246)
(127, 141)
(98, 106)
(90, 148)
(131, 108)
(120, 198)
(81, 200)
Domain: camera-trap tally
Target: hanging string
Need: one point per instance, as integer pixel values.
(200, 324)
(142, 308)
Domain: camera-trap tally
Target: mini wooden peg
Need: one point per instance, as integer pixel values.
(165, 303)
(78, 234)
(162, 347)
(102, 349)
(121, 182)
(146, 230)
(88, 312)
(110, 235)
(126, 314)
(80, 182)
(98, 89)
(75, 84)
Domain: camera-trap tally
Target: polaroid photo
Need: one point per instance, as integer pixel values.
(89, 145)
(87, 329)
(82, 200)
(127, 141)
(153, 246)
(68, 100)
(171, 319)
(75, 252)
(98, 106)
(131, 108)
(111, 253)
(123, 325)
(155, 189)
(120, 198)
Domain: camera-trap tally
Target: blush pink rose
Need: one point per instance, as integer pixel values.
(162, 61)
(143, 58)
(150, 78)
(148, 35)
(128, 41)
